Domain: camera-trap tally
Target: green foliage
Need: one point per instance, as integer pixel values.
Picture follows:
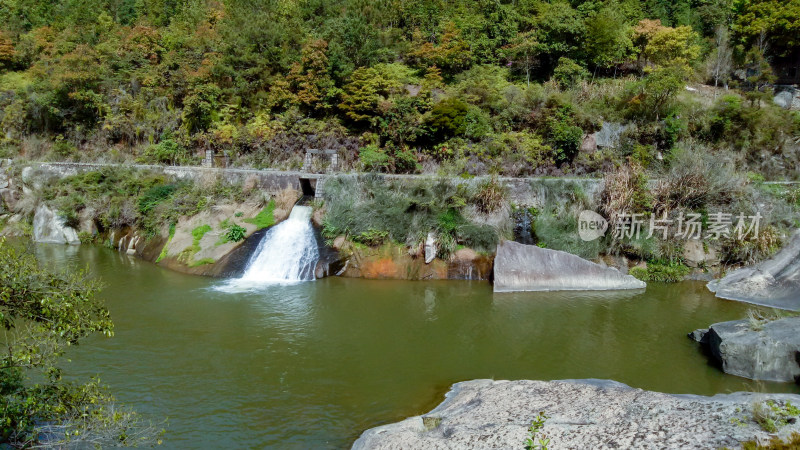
(537, 440)
(166, 152)
(155, 195)
(162, 81)
(163, 253)
(373, 158)
(563, 133)
(201, 262)
(654, 95)
(771, 415)
(490, 196)
(608, 37)
(265, 218)
(235, 233)
(555, 226)
(448, 118)
(371, 237)
(198, 233)
(373, 210)
(661, 271)
(774, 443)
(568, 73)
(44, 313)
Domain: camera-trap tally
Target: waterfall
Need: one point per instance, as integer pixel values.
(287, 253)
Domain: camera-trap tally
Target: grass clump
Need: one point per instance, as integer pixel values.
(198, 233)
(661, 271)
(265, 218)
(202, 262)
(757, 318)
(775, 443)
(187, 253)
(163, 253)
(555, 224)
(771, 415)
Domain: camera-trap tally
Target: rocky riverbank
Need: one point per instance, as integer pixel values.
(774, 282)
(384, 227)
(583, 414)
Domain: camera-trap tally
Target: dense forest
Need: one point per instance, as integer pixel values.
(508, 87)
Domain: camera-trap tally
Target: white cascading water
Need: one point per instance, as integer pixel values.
(287, 253)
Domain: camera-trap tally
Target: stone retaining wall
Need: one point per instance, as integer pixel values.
(522, 191)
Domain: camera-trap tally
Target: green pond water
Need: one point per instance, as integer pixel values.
(312, 365)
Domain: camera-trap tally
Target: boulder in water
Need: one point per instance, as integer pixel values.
(519, 267)
(768, 351)
(49, 228)
(774, 283)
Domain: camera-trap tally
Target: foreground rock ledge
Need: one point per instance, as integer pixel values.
(520, 267)
(487, 414)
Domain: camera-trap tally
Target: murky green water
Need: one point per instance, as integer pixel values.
(313, 365)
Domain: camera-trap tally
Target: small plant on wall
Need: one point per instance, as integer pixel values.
(536, 439)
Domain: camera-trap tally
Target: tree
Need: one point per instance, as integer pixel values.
(759, 71)
(523, 52)
(672, 47)
(652, 95)
(44, 312)
(7, 52)
(310, 80)
(719, 63)
(451, 53)
(776, 21)
(568, 73)
(608, 38)
(448, 118)
(369, 87)
(559, 30)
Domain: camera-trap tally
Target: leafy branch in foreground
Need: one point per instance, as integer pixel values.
(42, 313)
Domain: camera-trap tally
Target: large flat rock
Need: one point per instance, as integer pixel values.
(769, 351)
(774, 282)
(584, 414)
(519, 267)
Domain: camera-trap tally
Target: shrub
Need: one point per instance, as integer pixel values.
(697, 178)
(555, 226)
(235, 233)
(448, 118)
(491, 195)
(373, 210)
(165, 152)
(155, 195)
(661, 271)
(751, 249)
(625, 191)
(563, 134)
(372, 237)
(568, 73)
